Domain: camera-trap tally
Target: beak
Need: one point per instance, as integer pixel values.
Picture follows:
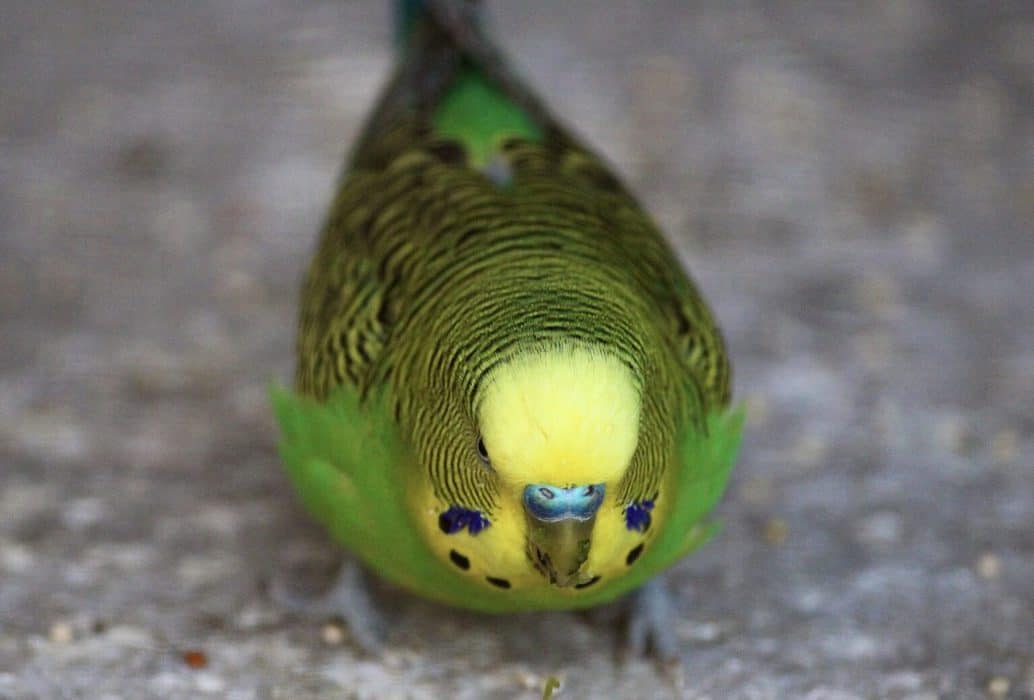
(560, 522)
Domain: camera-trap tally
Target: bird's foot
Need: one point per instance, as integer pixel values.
(651, 622)
(348, 598)
(648, 616)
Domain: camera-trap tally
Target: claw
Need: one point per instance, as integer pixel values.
(349, 598)
(650, 622)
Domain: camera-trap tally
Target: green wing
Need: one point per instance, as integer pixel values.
(344, 461)
(706, 463)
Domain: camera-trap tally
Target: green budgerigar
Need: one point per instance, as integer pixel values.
(510, 395)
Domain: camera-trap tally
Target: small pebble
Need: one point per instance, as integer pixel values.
(998, 686)
(775, 531)
(61, 633)
(332, 634)
(195, 658)
(989, 566)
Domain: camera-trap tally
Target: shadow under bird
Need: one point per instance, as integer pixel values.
(509, 394)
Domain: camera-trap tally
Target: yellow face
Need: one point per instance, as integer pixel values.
(566, 417)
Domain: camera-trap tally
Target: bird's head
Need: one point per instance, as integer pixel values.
(556, 430)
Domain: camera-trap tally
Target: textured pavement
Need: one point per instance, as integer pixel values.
(851, 183)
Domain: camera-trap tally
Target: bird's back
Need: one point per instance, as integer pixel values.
(464, 193)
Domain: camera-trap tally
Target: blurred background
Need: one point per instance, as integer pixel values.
(850, 182)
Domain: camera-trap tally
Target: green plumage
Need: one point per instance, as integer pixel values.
(329, 448)
(477, 115)
(469, 229)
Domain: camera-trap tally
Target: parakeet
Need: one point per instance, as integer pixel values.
(509, 394)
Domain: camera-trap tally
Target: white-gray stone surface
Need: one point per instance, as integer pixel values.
(850, 182)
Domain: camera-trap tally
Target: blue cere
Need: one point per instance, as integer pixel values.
(637, 515)
(549, 503)
(456, 519)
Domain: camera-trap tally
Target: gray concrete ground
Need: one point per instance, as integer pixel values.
(851, 183)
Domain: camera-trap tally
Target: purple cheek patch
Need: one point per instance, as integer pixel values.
(637, 515)
(456, 519)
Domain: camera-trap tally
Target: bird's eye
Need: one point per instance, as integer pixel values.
(482, 450)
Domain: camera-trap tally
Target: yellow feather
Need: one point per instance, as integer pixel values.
(562, 416)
